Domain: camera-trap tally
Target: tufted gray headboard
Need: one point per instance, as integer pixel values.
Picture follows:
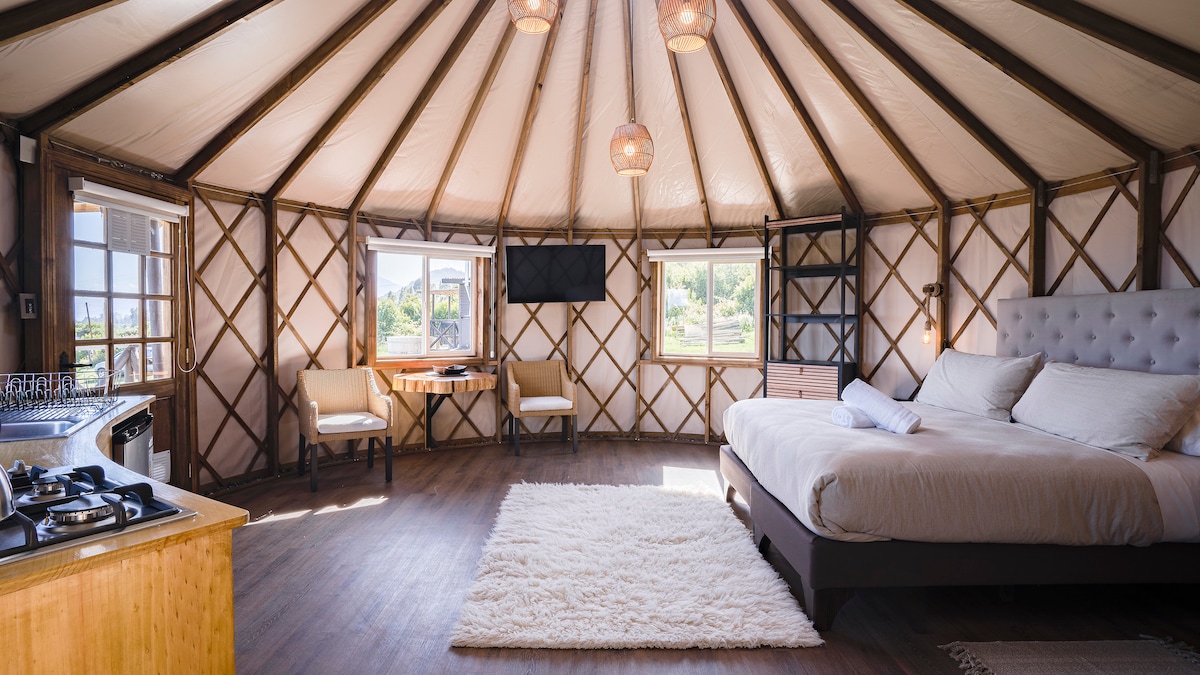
(1151, 331)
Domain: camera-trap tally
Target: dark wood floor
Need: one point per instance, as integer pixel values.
(367, 577)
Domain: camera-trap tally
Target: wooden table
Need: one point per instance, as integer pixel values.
(438, 388)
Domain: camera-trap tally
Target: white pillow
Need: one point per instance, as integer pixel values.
(987, 386)
(1131, 413)
(1187, 440)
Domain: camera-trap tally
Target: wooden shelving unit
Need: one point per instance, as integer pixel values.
(788, 372)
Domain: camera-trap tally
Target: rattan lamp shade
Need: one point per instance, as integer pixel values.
(631, 149)
(532, 16)
(686, 25)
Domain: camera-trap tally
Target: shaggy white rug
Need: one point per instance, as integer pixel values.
(599, 566)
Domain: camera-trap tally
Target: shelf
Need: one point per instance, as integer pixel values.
(808, 362)
(829, 223)
(811, 271)
(814, 318)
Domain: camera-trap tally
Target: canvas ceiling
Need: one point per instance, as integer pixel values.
(172, 112)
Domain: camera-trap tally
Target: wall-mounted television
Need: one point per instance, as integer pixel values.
(555, 273)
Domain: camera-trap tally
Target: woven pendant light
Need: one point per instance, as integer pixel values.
(532, 16)
(686, 25)
(631, 149)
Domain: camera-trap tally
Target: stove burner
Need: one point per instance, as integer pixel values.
(84, 510)
(47, 487)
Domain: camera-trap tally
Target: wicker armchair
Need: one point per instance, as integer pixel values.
(339, 405)
(540, 389)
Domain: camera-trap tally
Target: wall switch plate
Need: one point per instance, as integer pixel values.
(27, 150)
(28, 305)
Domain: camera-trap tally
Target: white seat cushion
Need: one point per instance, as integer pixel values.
(544, 404)
(346, 423)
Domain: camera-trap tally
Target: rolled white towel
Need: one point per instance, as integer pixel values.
(852, 418)
(883, 411)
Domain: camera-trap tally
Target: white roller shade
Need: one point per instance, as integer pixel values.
(386, 245)
(715, 254)
(103, 195)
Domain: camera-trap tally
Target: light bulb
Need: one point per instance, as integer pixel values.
(629, 149)
(687, 16)
(535, 5)
(927, 336)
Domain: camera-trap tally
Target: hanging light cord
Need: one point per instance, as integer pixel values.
(189, 304)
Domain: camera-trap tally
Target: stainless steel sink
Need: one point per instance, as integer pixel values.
(25, 431)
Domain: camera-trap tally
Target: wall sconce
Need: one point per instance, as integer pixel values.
(933, 290)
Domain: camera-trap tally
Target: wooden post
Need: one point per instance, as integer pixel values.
(1150, 193)
(943, 306)
(271, 212)
(1038, 205)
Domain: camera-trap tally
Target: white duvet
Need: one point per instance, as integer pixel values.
(959, 478)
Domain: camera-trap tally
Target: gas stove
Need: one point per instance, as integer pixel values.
(63, 505)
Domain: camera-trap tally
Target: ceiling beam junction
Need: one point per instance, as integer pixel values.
(360, 91)
(485, 86)
(793, 97)
(1141, 43)
(933, 89)
(868, 110)
(139, 66)
(34, 18)
(279, 91)
(474, 20)
(1033, 79)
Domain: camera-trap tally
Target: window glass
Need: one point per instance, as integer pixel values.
(88, 224)
(158, 276)
(126, 273)
(122, 301)
(127, 317)
(91, 269)
(160, 236)
(127, 364)
(159, 365)
(95, 360)
(425, 306)
(685, 307)
(708, 308)
(158, 318)
(91, 318)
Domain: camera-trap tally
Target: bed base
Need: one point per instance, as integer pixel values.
(830, 570)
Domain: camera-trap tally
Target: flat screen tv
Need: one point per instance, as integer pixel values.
(555, 273)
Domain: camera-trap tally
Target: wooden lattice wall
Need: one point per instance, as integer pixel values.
(1091, 239)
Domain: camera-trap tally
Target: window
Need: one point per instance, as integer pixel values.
(123, 302)
(707, 303)
(427, 300)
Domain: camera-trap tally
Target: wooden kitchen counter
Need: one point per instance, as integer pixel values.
(155, 600)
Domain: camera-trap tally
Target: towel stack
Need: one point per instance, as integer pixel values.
(866, 406)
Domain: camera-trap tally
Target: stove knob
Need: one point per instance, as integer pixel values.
(19, 468)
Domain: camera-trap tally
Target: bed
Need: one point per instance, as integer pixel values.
(1134, 522)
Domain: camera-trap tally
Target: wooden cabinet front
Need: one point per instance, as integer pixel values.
(795, 380)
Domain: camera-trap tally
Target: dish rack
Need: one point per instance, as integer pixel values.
(35, 396)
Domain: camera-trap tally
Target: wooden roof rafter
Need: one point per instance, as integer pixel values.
(793, 97)
(531, 109)
(139, 66)
(284, 87)
(485, 86)
(585, 77)
(1032, 78)
(1127, 37)
(953, 107)
(474, 20)
(856, 95)
(739, 111)
(34, 18)
(691, 143)
(356, 96)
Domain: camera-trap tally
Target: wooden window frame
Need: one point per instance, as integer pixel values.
(658, 325)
